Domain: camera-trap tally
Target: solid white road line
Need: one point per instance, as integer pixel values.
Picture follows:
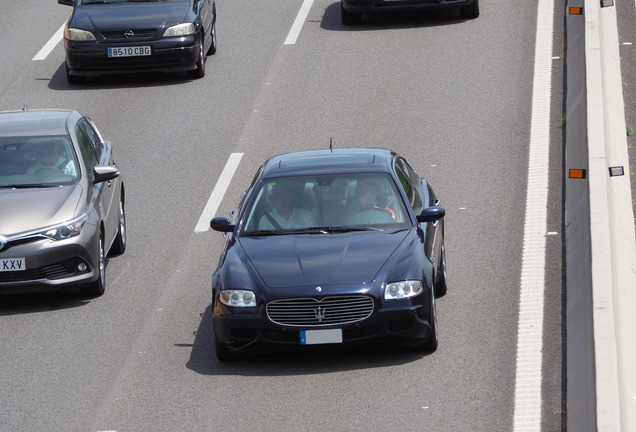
(48, 47)
(298, 23)
(217, 193)
(528, 401)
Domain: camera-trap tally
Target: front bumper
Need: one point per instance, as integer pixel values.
(51, 265)
(379, 6)
(407, 323)
(168, 55)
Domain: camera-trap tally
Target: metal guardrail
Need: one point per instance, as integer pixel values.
(600, 246)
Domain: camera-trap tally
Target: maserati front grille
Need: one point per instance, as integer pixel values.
(327, 311)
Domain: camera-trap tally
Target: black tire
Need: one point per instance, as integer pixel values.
(212, 49)
(431, 344)
(199, 72)
(97, 288)
(470, 12)
(73, 79)
(119, 244)
(349, 18)
(225, 355)
(440, 281)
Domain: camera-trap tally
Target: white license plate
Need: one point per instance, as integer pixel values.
(129, 51)
(12, 264)
(315, 337)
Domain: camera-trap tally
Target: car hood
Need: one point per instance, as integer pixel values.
(29, 209)
(130, 16)
(300, 260)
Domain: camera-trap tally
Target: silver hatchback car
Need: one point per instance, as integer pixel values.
(61, 201)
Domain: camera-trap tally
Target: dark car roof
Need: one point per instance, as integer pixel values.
(33, 122)
(329, 161)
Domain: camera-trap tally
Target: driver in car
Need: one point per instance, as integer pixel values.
(370, 198)
(49, 157)
(284, 214)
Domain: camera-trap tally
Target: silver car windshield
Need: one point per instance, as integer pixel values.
(328, 203)
(37, 161)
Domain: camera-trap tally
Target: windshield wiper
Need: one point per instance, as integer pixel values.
(263, 233)
(313, 230)
(332, 229)
(28, 186)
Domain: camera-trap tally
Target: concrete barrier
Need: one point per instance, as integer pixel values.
(600, 246)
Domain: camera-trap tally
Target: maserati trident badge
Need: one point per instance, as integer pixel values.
(320, 314)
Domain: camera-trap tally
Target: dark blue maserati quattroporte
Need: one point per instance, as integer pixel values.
(329, 247)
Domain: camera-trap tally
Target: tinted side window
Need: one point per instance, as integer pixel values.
(410, 182)
(88, 152)
(93, 137)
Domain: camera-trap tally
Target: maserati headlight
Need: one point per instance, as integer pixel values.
(402, 289)
(180, 30)
(65, 230)
(76, 34)
(238, 298)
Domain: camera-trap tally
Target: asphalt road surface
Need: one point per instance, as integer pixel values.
(453, 96)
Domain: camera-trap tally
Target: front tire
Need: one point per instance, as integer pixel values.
(212, 49)
(440, 280)
(119, 245)
(431, 344)
(199, 72)
(97, 288)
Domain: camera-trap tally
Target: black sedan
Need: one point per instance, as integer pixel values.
(132, 36)
(352, 10)
(62, 201)
(329, 246)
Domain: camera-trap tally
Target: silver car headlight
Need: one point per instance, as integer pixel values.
(238, 298)
(66, 230)
(184, 29)
(403, 289)
(76, 34)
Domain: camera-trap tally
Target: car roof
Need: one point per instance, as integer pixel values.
(34, 122)
(329, 161)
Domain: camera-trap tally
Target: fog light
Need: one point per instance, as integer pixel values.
(81, 267)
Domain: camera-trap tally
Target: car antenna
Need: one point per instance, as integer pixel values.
(25, 107)
(331, 144)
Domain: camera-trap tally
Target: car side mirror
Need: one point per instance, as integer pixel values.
(431, 214)
(66, 2)
(104, 173)
(222, 224)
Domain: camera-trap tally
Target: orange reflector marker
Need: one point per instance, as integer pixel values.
(576, 11)
(577, 173)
